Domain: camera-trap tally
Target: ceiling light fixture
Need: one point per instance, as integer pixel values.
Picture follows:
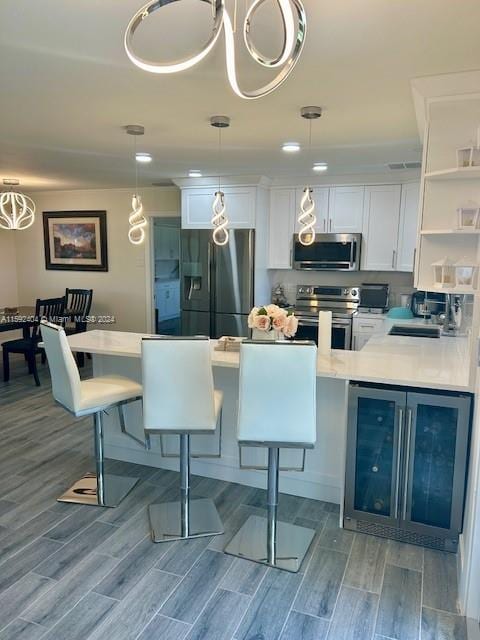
(306, 217)
(136, 219)
(290, 147)
(17, 211)
(145, 158)
(294, 32)
(320, 166)
(194, 173)
(220, 234)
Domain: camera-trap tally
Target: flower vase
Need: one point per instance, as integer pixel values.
(267, 336)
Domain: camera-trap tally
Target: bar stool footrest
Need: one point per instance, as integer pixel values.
(292, 544)
(84, 491)
(165, 520)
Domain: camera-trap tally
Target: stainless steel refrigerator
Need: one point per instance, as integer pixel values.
(216, 283)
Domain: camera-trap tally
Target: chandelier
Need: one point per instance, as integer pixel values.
(17, 211)
(294, 32)
(136, 219)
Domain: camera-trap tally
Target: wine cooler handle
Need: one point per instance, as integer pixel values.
(401, 419)
(407, 462)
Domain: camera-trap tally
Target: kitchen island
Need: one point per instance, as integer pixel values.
(410, 362)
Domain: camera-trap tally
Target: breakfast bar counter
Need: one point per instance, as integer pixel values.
(425, 363)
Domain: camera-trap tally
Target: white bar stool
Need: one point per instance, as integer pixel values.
(179, 398)
(84, 398)
(277, 409)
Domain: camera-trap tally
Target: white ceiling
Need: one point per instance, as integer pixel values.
(67, 88)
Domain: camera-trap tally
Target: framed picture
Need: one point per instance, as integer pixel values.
(75, 240)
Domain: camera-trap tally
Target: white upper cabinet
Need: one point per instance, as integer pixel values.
(321, 197)
(380, 240)
(197, 207)
(345, 211)
(407, 230)
(281, 228)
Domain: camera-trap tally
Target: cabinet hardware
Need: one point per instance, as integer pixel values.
(330, 225)
(407, 462)
(324, 224)
(414, 259)
(394, 256)
(401, 419)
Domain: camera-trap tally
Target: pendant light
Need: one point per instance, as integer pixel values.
(220, 234)
(17, 211)
(294, 24)
(306, 217)
(136, 219)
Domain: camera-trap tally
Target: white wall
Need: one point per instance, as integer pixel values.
(121, 291)
(8, 269)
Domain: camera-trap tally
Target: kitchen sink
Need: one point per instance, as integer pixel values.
(414, 332)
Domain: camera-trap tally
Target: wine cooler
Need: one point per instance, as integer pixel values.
(406, 464)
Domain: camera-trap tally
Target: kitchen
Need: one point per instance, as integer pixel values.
(319, 481)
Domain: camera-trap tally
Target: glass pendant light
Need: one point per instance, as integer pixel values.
(220, 234)
(306, 217)
(136, 219)
(17, 211)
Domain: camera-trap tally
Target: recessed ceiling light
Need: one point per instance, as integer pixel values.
(320, 166)
(291, 147)
(143, 157)
(194, 173)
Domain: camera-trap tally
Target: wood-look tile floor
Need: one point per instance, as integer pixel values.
(72, 572)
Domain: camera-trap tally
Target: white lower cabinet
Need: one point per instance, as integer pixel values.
(380, 239)
(364, 327)
(167, 299)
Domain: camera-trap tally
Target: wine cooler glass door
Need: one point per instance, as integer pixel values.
(436, 440)
(375, 433)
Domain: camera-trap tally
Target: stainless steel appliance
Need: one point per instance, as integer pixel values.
(407, 454)
(329, 251)
(426, 304)
(341, 301)
(216, 283)
(374, 297)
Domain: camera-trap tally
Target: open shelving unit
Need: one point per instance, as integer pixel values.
(445, 188)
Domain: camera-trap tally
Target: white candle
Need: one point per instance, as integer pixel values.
(324, 332)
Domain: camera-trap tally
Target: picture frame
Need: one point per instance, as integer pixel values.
(75, 240)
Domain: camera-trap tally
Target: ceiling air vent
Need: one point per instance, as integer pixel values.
(396, 166)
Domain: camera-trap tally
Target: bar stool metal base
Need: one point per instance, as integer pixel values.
(85, 490)
(166, 520)
(291, 545)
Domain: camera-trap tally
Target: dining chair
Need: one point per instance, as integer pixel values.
(51, 309)
(78, 303)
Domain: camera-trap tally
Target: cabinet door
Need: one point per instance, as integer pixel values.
(407, 230)
(161, 300)
(436, 441)
(321, 197)
(375, 419)
(382, 212)
(197, 207)
(281, 228)
(345, 211)
(360, 340)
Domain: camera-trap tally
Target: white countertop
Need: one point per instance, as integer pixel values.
(415, 362)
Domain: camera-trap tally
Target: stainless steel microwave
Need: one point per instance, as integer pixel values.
(329, 251)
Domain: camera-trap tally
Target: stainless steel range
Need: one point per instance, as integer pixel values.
(341, 301)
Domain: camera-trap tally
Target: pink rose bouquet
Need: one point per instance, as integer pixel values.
(273, 318)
